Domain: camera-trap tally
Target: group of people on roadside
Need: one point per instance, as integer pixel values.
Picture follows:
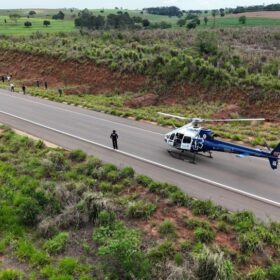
(8, 78)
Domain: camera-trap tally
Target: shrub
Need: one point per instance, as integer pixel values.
(204, 207)
(243, 221)
(185, 245)
(26, 251)
(127, 172)
(273, 273)
(28, 210)
(213, 266)
(207, 42)
(249, 241)
(28, 24)
(203, 235)
(167, 228)
(106, 218)
(144, 180)
(57, 243)
(78, 155)
(194, 223)
(11, 274)
(140, 209)
(162, 252)
(256, 274)
(105, 187)
(122, 246)
(179, 259)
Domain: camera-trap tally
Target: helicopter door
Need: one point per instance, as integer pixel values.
(170, 141)
(186, 143)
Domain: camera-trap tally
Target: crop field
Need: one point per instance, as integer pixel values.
(18, 28)
(66, 215)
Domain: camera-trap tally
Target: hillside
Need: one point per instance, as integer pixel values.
(64, 215)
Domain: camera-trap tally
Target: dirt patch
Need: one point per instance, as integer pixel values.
(144, 100)
(263, 14)
(228, 112)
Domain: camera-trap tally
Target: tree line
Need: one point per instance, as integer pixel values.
(257, 8)
(113, 21)
(164, 11)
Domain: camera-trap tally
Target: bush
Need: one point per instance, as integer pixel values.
(28, 210)
(11, 274)
(57, 243)
(144, 180)
(213, 266)
(77, 155)
(167, 228)
(28, 24)
(106, 218)
(203, 235)
(127, 172)
(273, 273)
(249, 242)
(162, 252)
(121, 246)
(207, 42)
(256, 274)
(140, 209)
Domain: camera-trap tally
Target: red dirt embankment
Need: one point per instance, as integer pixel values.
(93, 79)
(86, 77)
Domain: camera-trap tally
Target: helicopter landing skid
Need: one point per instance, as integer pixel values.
(182, 156)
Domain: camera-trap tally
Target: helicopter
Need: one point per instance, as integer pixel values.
(196, 139)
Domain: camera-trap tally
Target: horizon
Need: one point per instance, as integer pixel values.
(136, 5)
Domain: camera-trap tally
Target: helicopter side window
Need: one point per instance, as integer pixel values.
(172, 136)
(179, 136)
(187, 140)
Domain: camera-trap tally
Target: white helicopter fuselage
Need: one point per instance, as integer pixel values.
(182, 138)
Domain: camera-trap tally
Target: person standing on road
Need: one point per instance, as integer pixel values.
(23, 89)
(38, 83)
(46, 85)
(3, 79)
(114, 136)
(8, 78)
(12, 87)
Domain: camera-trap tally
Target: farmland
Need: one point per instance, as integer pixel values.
(78, 218)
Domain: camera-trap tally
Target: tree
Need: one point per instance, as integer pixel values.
(205, 20)
(146, 23)
(181, 22)
(46, 23)
(222, 12)
(14, 17)
(27, 24)
(242, 19)
(214, 13)
(60, 15)
(191, 24)
(32, 13)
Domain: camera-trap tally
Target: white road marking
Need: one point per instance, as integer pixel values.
(263, 199)
(85, 115)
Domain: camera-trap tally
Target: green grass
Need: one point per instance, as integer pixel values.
(67, 25)
(12, 28)
(223, 22)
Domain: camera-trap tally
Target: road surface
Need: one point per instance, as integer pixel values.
(237, 184)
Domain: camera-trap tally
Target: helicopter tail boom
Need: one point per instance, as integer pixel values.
(273, 159)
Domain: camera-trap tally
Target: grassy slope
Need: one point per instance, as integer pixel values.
(56, 223)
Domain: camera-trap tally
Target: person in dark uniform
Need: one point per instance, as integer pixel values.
(114, 136)
(46, 85)
(38, 83)
(3, 79)
(23, 89)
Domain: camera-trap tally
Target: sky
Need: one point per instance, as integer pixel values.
(130, 4)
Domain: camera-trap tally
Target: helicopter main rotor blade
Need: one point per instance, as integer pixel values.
(173, 116)
(232, 120)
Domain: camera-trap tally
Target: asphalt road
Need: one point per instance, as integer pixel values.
(247, 183)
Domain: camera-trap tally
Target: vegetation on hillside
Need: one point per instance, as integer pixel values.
(209, 58)
(66, 215)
